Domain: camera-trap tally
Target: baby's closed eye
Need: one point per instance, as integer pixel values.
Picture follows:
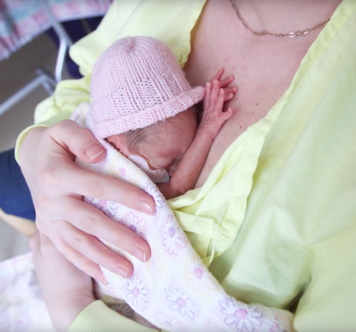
(170, 165)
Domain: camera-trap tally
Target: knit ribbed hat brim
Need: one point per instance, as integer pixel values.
(151, 115)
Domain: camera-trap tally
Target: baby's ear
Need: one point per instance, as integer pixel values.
(118, 142)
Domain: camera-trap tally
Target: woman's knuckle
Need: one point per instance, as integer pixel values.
(88, 224)
(54, 223)
(96, 188)
(76, 136)
(79, 240)
(59, 127)
(125, 239)
(117, 243)
(66, 127)
(49, 176)
(64, 248)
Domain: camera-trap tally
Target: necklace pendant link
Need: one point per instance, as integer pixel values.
(292, 34)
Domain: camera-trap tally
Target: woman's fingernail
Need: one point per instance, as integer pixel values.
(94, 151)
(139, 254)
(103, 280)
(146, 207)
(120, 271)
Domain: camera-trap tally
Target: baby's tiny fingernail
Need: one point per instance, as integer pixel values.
(94, 151)
(120, 271)
(146, 207)
(139, 254)
(231, 95)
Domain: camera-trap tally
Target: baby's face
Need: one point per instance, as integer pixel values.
(167, 144)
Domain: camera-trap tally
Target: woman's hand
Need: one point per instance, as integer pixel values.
(57, 186)
(65, 289)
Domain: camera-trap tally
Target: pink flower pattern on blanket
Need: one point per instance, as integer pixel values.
(241, 316)
(109, 208)
(198, 280)
(152, 189)
(181, 302)
(172, 237)
(137, 294)
(135, 223)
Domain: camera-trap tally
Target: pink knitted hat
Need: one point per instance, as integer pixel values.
(137, 82)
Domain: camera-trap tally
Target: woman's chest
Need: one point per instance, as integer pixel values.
(263, 70)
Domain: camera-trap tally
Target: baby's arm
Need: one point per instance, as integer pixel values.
(191, 165)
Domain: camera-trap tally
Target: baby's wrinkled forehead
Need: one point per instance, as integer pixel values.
(163, 133)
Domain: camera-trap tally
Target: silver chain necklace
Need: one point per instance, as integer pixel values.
(266, 33)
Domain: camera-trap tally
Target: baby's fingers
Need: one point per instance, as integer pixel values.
(215, 92)
(218, 75)
(220, 100)
(207, 95)
(226, 81)
(227, 115)
(230, 93)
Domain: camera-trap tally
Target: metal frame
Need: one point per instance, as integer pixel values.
(64, 40)
(44, 78)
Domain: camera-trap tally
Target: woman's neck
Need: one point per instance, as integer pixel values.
(283, 16)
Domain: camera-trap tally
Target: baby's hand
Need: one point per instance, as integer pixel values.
(216, 93)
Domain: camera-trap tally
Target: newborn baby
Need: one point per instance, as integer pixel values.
(143, 105)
